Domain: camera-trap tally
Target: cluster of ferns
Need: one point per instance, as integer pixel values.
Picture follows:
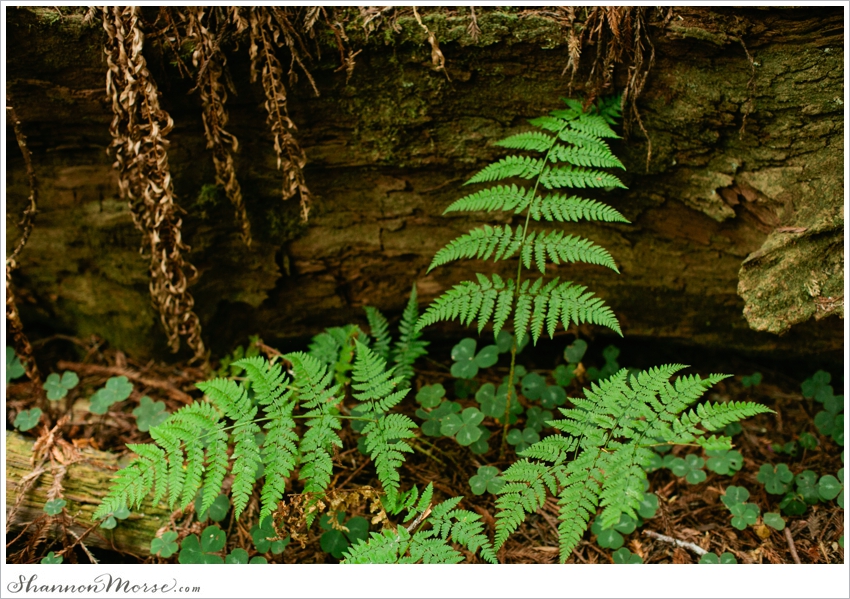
(596, 460)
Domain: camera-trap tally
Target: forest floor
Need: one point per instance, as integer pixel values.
(692, 514)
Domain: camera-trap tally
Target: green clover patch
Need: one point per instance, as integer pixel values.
(691, 467)
(240, 556)
(27, 419)
(266, 538)
(830, 487)
(564, 374)
(217, 510)
(537, 418)
(111, 521)
(150, 413)
(533, 386)
(203, 550)
(624, 556)
(433, 420)
(118, 388)
(744, 514)
(774, 520)
(775, 479)
(817, 386)
(523, 439)
(734, 495)
(754, 380)
(575, 351)
(14, 368)
(463, 427)
(467, 362)
(725, 558)
(51, 558)
(552, 397)
(724, 462)
(57, 387)
(54, 507)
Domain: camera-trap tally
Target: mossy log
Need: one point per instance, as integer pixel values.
(84, 484)
(737, 223)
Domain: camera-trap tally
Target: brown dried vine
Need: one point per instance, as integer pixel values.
(139, 146)
(22, 345)
(210, 60)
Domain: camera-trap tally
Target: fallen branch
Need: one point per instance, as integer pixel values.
(792, 546)
(685, 544)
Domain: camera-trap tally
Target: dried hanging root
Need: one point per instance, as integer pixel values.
(138, 129)
(16, 327)
(267, 27)
(209, 59)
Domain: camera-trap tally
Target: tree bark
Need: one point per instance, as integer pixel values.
(737, 224)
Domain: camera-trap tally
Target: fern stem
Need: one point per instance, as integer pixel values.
(516, 292)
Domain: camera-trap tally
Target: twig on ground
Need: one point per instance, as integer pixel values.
(684, 544)
(792, 546)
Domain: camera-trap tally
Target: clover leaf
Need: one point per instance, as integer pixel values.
(336, 541)
(735, 495)
(467, 362)
(523, 439)
(575, 352)
(725, 558)
(240, 556)
(533, 385)
(266, 538)
(164, 546)
(807, 486)
(464, 427)
(624, 556)
(611, 367)
(111, 521)
(537, 418)
(744, 514)
(830, 425)
(487, 479)
(754, 380)
(775, 478)
(792, 504)
(691, 467)
(724, 462)
(57, 387)
(217, 510)
(27, 419)
(817, 386)
(774, 520)
(552, 397)
(493, 401)
(432, 420)
(481, 446)
(149, 414)
(732, 429)
(203, 550)
(829, 487)
(504, 342)
(14, 368)
(51, 558)
(564, 374)
(808, 441)
(430, 396)
(54, 507)
(611, 538)
(648, 506)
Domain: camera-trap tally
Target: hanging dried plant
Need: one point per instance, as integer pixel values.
(139, 146)
(210, 60)
(269, 27)
(16, 328)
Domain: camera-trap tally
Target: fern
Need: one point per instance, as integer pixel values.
(434, 545)
(612, 430)
(572, 155)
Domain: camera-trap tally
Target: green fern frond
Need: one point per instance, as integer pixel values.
(467, 300)
(481, 243)
(530, 141)
(510, 166)
(380, 329)
(501, 197)
(593, 124)
(572, 176)
(577, 502)
(374, 386)
(524, 492)
(596, 155)
(409, 346)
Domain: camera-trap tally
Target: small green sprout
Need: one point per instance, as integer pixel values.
(54, 507)
(754, 380)
(574, 352)
(266, 538)
(27, 419)
(487, 479)
(523, 439)
(725, 558)
(691, 467)
(164, 546)
(52, 558)
(430, 396)
(57, 387)
(624, 556)
(774, 520)
(432, 420)
(467, 362)
(150, 413)
(724, 462)
(776, 479)
(205, 549)
(112, 520)
(14, 368)
(118, 388)
(463, 427)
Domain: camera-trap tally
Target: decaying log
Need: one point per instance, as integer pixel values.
(84, 484)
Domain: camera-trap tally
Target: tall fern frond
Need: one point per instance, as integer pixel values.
(512, 166)
(410, 345)
(380, 329)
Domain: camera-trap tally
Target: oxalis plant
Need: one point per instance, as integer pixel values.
(606, 440)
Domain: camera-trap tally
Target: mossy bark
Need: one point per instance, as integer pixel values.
(737, 227)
